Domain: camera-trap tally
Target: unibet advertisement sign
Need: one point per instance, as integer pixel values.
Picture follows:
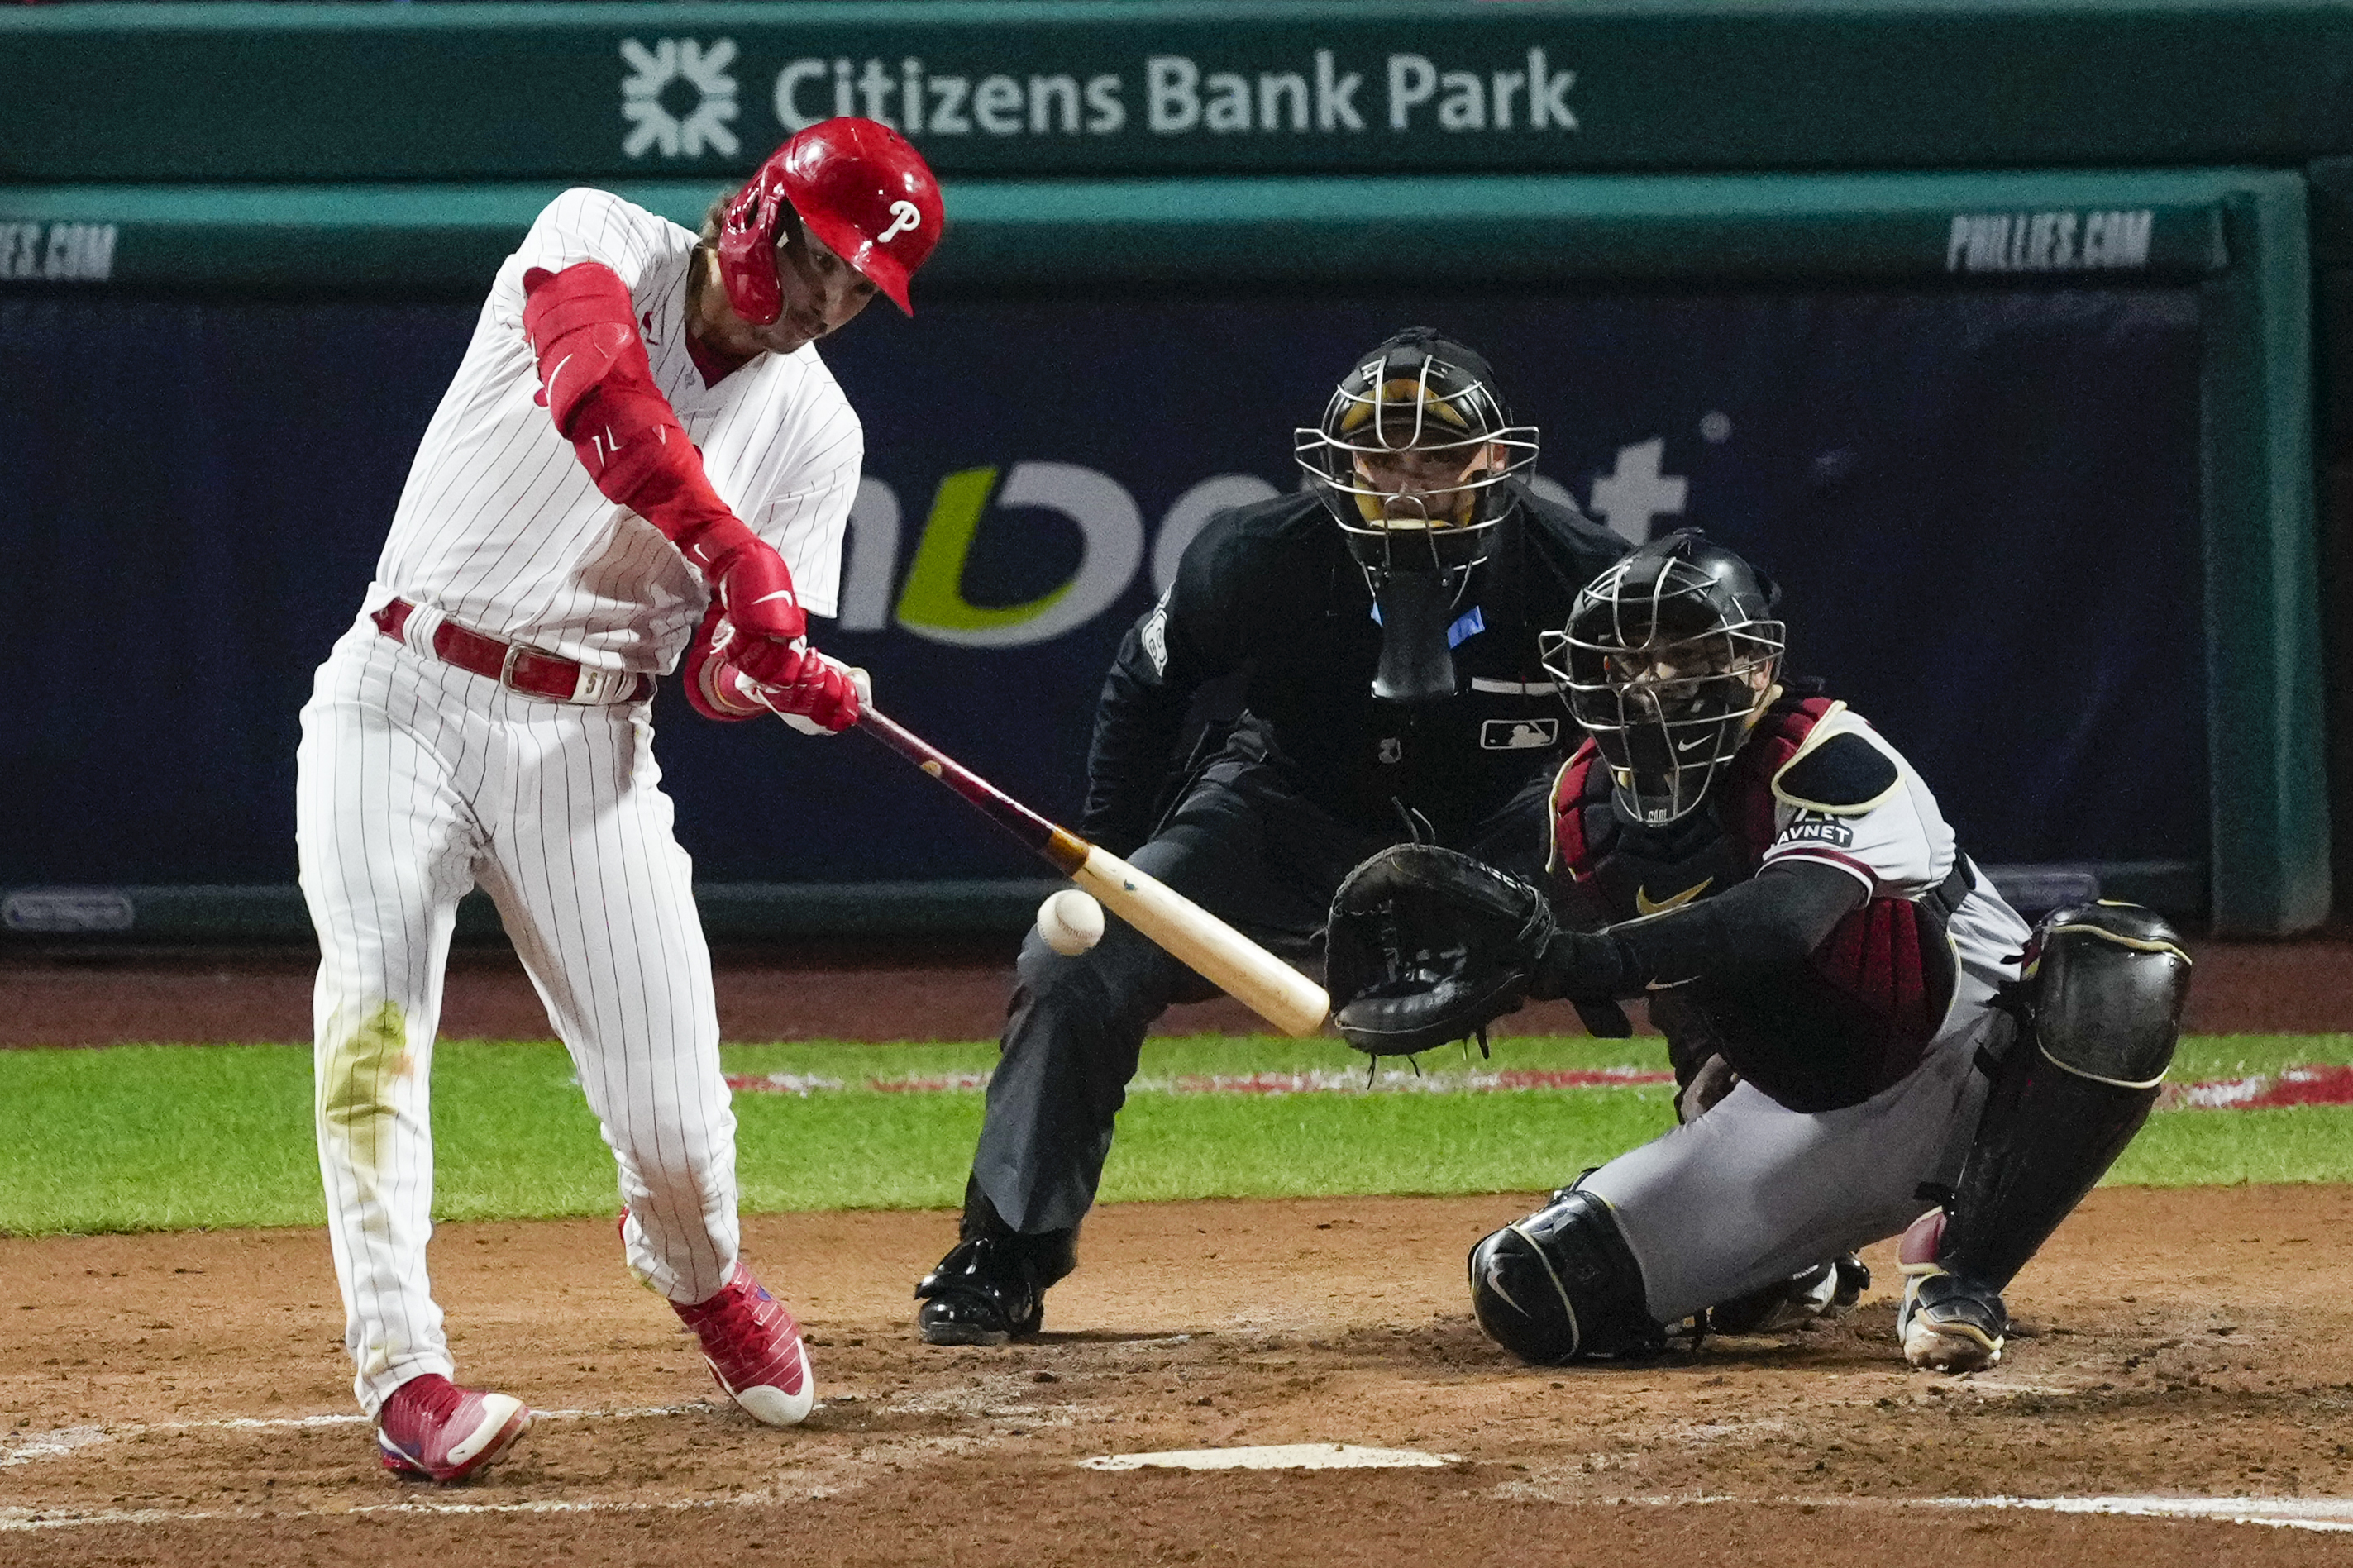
(1940, 481)
(891, 576)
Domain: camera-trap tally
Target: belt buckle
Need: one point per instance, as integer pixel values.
(602, 686)
(507, 667)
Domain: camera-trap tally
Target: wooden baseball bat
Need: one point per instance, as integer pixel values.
(1215, 950)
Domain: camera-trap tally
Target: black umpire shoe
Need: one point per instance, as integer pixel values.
(991, 1288)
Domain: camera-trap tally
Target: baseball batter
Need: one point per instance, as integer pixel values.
(641, 456)
(1760, 859)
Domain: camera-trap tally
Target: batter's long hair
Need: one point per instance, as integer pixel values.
(711, 215)
(788, 226)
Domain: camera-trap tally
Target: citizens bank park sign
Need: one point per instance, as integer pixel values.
(688, 98)
(1080, 88)
(1135, 87)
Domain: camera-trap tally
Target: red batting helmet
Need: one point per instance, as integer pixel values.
(857, 186)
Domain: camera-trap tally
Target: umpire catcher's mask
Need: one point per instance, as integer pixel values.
(1667, 660)
(1411, 457)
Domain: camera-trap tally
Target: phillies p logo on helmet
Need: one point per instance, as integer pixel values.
(857, 186)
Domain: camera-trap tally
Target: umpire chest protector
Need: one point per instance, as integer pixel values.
(1270, 589)
(1858, 1013)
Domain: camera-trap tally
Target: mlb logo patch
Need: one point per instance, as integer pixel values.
(1518, 734)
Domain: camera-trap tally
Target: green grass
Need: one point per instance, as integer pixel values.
(171, 1137)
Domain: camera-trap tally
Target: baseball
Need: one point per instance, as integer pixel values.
(1070, 922)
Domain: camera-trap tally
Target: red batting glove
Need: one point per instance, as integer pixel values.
(713, 684)
(755, 590)
(816, 694)
(821, 691)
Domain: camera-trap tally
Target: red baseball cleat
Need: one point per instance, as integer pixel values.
(431, 1428)
(755, 1350)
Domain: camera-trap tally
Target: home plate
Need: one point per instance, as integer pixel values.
(1274, 1456)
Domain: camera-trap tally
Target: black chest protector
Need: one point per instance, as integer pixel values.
(1854, 1018)
(1631, 870)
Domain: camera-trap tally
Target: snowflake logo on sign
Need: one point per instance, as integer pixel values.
(653, 71)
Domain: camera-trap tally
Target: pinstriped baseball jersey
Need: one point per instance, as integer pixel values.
(418, 778)
(499, 526)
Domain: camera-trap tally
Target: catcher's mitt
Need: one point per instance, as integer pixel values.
(1427, 945)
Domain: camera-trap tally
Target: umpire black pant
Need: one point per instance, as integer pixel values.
(1243, 845)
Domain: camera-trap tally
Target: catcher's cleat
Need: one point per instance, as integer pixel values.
(1947, 1324)
(430, 1429)
(1828, 1290)
(984, 1292)
(754, 1349)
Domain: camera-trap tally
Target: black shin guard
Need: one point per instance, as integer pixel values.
(2099, 1005)
(2046, 1138)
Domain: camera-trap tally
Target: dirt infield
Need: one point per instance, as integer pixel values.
(183, 1399)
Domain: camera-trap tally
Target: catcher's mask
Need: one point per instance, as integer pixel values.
(1412, 457)
(1667, 659)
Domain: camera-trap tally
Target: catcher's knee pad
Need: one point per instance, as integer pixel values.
(1561, 1285)
(2099, 1006)
(2104, 987)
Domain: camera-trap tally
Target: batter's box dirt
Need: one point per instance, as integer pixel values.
(184, 1398)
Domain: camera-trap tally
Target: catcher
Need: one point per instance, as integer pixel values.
(1758, 858)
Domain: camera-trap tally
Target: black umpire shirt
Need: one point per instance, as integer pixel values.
(1270, 589)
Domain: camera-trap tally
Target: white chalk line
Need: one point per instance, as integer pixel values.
(25, 1447)
(2294, 1513)
(21, 1519)
(24, 1519)
(1274, 1456)
(2325, 1514)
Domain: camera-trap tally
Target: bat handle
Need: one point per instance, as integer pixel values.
(1065, 850)
(873, 722)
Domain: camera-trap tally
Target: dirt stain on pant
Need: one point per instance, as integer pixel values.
(356, 1077)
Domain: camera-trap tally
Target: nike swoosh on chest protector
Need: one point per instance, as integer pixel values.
(1645, 905)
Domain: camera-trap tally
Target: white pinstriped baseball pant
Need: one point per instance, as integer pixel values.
(416, 782)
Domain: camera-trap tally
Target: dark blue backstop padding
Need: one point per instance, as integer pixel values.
(1982, 506)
